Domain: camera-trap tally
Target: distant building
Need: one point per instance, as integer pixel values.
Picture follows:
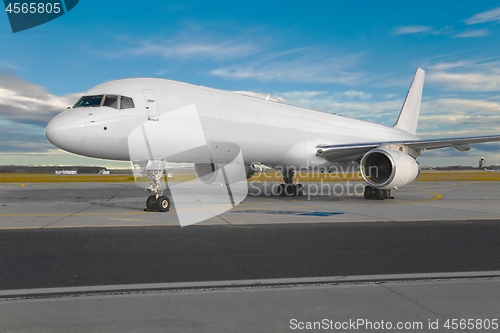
(66, 172)
(482, 163)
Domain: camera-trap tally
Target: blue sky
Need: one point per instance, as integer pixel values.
(352, 58)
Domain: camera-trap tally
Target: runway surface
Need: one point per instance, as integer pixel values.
(411, 305)
(61, 235)
(95, 240)
(56, 205)
(109, 256)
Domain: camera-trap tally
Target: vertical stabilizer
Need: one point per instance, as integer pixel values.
(408, 117)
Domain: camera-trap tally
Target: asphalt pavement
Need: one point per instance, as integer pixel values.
(66, 257)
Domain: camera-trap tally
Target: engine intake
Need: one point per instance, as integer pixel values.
(387, 169)
(206, 172)
(217, 174)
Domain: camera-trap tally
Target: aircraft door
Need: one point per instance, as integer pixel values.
(151, 104)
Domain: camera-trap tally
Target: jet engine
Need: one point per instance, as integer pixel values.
(211, 173)
(388, 169)
(249, 171)
(206, 172)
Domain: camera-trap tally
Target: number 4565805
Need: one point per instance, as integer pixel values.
(33, 8)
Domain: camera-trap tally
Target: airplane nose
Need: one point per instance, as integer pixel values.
(66, 131)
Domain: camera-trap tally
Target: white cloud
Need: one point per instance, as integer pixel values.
(488, 16)
(472, 76)
(9, 66)
(353, 94)
(411, 29)
(339, 103)
(442, 66)
(465, 81)
(28, 102)
(25, 109)
(453, 117)
(464, 105)
(307, 65)
(192, 43)
(192, 49)
(473, 33)
(422, 30)
(441, 117)
(247, 56)
(19, 137)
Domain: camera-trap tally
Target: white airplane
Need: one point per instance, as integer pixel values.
(290, 138)
(491, 170)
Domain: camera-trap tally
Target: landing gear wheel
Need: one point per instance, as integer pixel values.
(280, 191)
(163, 204)
(387, 194)
(151, 202)
(379, 194)
(299, 190)
(289, 190)
(368, 192)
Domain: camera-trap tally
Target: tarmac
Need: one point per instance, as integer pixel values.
(434, 301)
(399, 306)
(60, 205)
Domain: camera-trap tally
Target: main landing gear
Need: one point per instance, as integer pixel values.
(289, 188)
(377, 194)
(156, 202)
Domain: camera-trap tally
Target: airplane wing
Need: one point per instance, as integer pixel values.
(349, 152)
(444, 143)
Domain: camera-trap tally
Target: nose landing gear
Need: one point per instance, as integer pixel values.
(163, 204)
(156, 202)
(160, 204)
(151, 202)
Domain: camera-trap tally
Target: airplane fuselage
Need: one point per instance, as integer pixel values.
(268, 132)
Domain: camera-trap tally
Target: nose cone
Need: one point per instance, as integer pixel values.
(66, 131)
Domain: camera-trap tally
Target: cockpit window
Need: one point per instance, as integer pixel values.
(111, 101)
(126, 103)
(89, 101)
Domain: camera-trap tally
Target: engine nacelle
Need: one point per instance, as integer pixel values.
(212, 173)
(206, 172)
(387, 169)
(249, 171)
